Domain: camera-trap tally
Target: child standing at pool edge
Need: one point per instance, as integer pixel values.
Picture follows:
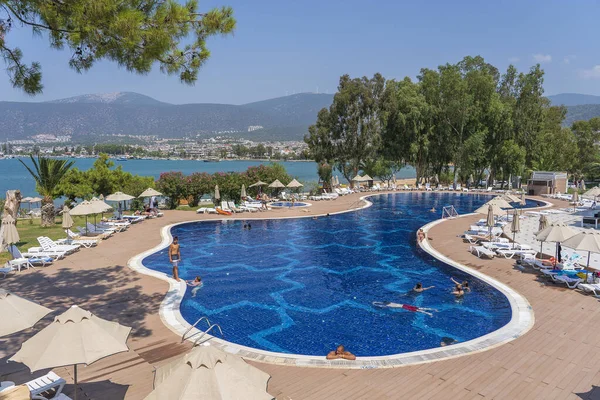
(175, 257)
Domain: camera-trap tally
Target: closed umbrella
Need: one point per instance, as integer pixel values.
(523, 200)
(490, 221)
(543, 224)
(243, 191)
(515, 226)
(8, 232)
(337, 180)
(75, 337)
(217, 194)
(209, 373)
(67, 221)
(150, 192)
(555, 233)
(586, 241)
(582, 184)
(575, 200)
(470, 181)
(18, 313)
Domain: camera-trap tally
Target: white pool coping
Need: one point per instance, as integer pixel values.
(522, 319)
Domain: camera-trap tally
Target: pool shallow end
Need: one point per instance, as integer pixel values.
(521, 321)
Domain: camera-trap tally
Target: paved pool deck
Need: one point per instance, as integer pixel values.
(559, 358)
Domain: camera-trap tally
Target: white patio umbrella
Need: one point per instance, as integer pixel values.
(119, 197)
(500, 202)
(75, 337)
(276, 184)
(555, 233)
(515, 226)
(84, 208)
(217, 194)
(366, 178)
(8, 232)
(592, 193)
(209, 373)
(295, 184)
(510, 198)
(357, 178)
(150, 192)
(18, 313)
(67, 221)
(586, 241)
(243, 194)
(258, 184)
(485, 208)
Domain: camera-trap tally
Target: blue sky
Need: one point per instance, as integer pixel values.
(283, 46)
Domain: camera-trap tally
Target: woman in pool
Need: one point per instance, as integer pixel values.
(406, 307)
(464, 285)
(175, 257)
(419, 288)
(196, 284)
(458, 290)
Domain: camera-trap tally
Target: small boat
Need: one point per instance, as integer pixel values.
(121, 159)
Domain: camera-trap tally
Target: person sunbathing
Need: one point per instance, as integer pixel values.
(340, 353)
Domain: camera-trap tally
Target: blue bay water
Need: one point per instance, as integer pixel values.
(14, 176)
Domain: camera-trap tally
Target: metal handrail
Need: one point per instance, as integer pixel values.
(210, 328)
(193, 326)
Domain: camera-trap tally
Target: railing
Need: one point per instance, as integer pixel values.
(449, 212)
(193, 326)
(210, 328)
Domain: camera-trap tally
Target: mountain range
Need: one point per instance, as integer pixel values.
(283, 118)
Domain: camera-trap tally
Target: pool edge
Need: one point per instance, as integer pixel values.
(522, 319)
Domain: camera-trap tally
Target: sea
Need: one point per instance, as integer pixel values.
(13, 174)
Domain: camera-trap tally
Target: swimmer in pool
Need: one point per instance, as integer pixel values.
(432, 210)
(447, 341)
(340, 352)
(196, 284)
(464, 285)
(407, 307)
(458, 290)
(419, 288)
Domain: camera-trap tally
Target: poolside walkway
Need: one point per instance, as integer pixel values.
(558, 359)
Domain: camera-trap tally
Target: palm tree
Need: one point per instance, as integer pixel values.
(47, 174)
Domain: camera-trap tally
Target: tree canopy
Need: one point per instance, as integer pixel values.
(461, 120)
(135, 34)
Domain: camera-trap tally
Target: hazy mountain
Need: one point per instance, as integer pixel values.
(284, 118)
(581, 112)
(573, 99)
(129, 98)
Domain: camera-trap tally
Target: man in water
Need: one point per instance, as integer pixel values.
(340, 352)
(175, 257)
(419, 288)
(196, 284)
(464, 285)
(447, 341)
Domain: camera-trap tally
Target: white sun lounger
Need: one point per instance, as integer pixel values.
(50, 245)
(19, 260)
(481, 251)
(73, 238)
(567, 280)
(45, 383)
(510, 253)
(590, 288)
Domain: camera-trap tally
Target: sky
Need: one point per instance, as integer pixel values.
(283, 47)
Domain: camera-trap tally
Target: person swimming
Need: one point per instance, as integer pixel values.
(407, 307)
(419, 288)
(196, 284)
(447, 341)
(458, 290)
(464, 285)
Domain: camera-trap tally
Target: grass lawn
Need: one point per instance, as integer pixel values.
(30, 229)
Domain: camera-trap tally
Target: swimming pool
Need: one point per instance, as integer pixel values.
(287, 204)
(303, 286)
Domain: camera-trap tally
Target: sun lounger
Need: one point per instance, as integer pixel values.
(7, 269)
(60, 396)
(480, 251)
(95, 229)
(19, 260)
(510, 253)
(571, 282)
(75, 239)
(233, 207)
(590, 288)
(46, 383)
(134, 219)
(49, 244)
(206, 210)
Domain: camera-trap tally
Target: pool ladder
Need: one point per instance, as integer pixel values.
(202, 333)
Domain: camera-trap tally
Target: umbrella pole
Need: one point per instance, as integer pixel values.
(75, 379)
(514, 234)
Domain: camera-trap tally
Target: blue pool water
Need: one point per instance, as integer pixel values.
(304, 286)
